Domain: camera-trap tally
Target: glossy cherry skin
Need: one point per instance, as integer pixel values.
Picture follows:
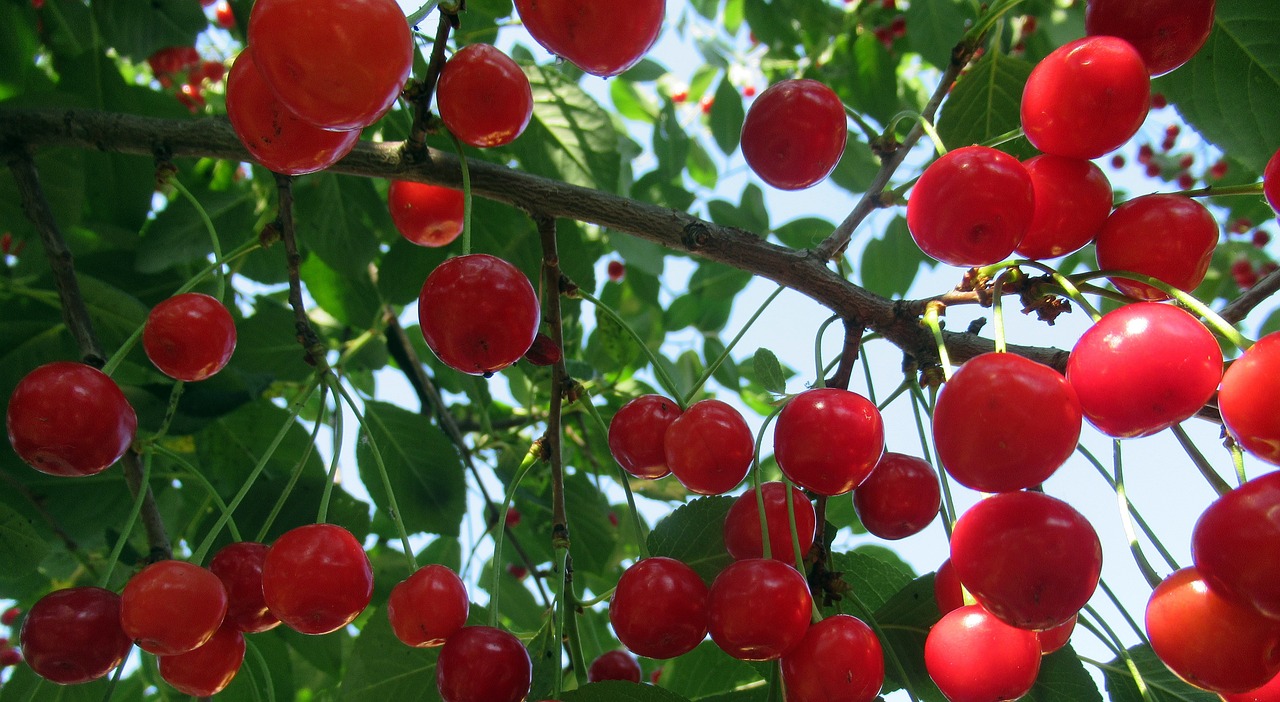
(73, 636)
(1210, 641)
(1271, 181)
(1250, 399)
(827, 440)
(637, 435)
(614, 665)
(1143, 368)
(1029, 559)
(205, 671)
(483, 664)
(337, 64)
(317, 578)
(971, 207)
(948, 593)
(275, 137)
(428, 607)
(1180, 256)
(1167, 33)
(659, 609)
(742, 525)
(1004, 422)
(603, 39)
(1236, 544)
(69, 419)
(189, 337)
(759, 609)
(1054, 639)
(974, 657)
(839, 658)
(427, 215)
(709, 447)
(794, 133)
(1073, 198)
(172, 607)
(1267, 693)
(484, 98)
(1086, 98)
(900, 498)
(478, 313)
(239, 566)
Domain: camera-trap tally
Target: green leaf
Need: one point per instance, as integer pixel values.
(631, 103)
(906, 619)
(1162, 685)
(62, 177)
(873, 580)
(890, 263)
(985, 102)
(422, 464)
(700, 166)
(544, 653)
(351, 298)
(24, 685)
(570, 136)
(1063, 678)
(705, 671)
(804, 232)
(863, 75)
(116, 314)
(694, 533)
(620, 691)
(727, 116)
(593, 536)
(769, 371)
(177, 235)
(338, 218)
(138, 28)
(670, 144)
(21, 548)
(934, 28)
(857, 166)
(727, 373)
(381, 668)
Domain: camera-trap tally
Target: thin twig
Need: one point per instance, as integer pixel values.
(152, 522)
(313, 348)
(1239, 308)
(423, 93)
(848, 356)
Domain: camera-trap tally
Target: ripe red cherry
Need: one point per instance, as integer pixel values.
(69, 419)
(839, 658)
(1054, 639)
(637, 435)
(1029, 559)
(971, 207)
(317, 578)
(73, 636)
(759, 609)
(827, 440)
(190, 336)
(1267, 693)
(614, 665)
(1236, 544)
(1004, 422)
(974, 657)
(337, 64)
(794, 133)
(900, 498)
(742, 524)
(1143, 368)
(172, 607)
(1086, 98)
(603, 39)
(224, 16)
(659, 609)
(1208, 640)
(709, 448)
(205, 671)
(1166, 32)
(1180, 256)
(427, 215)
(428, 607)
(484, 98)
(275, 137)
(1073, 199)
(483, 664)
(947, 591)
(478, 313)
(1271, 181)
(239, 566)
(1250, 399)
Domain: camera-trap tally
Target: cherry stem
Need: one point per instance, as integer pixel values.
(1132, 668)
(755, 482)
(715, 365)
(1088, 626)
(495, 564)
(265, 669)
(932, 312)
(924, 123)
(297, 469)
(219, 275)
(904, 386)
(997, 10)
(1142, 523)
(642, 547)
(322, 514)
(195, 474)
(948, 507)
(421, 13)
(890, 652)
(867, 130)
(659, 370)
(1211, 318)
(134, 510)
(115, 679)
(1237, 460)
(866, 367)
(1222, 190)
(1119, 649)
(1126, 520)
(997, 308)
(568, 606)
(1111, 595)
(795, 544)
(1211, 476)
(466, 193)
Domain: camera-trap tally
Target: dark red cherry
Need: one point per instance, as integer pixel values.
(659, 609)
(478, 313)
(73, 636)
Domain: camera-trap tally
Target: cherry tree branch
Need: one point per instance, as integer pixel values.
(306, 334)
(423, 92)
(1239, 308)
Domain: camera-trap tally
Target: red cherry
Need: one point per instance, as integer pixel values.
(603, 39)
(1142, 368)
(1271, 181)
(478, 313)
(616, 270)
(1086, 98)
(827, 440)
(1208, 640)
(69, 419)
(1250, 399)
(317, 578)
(10, 616)
(1029, 559)
(659, 609)
(1166, 32)
(512, 518)
(484, 97)
(239, 566)
(637, 435)
(839, 658)
(794, 133)
(483, 664)
(190, 336)
(900, 498)
(1004, 422)
(947, 591)
(1236, 544)
(1073, 199)
(205, 671)
(1267, 693)
(614, 665)
(224, 16)
(1180, 256)
(10, 657)
(759, 609)
(709, 448)
(427, 215)
(172, 607)
(971, 207)
(337, 64)
(742, 524)
(428, 606)
(273, 136)
(1054, 639)
(73, 636)
(974, 657)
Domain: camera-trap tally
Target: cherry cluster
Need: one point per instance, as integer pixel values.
(183, 67)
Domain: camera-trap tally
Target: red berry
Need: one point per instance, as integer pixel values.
(73, 636)
(749, 91)
(513, 517)
(483, 664)
(828, 440)
(1186, 181)
(659, 609)
(1167, 33)
(759, 609)
(427, 215)
(1159, 101)
(974, 657)
(839, 658)
(709, 448)
(900, 498)
(1153, 170)
(1117, 162)
(239, 566)
(794, 134)
(679, 96)
(616, 271)
(205, 671)
(1260, 238)
(1146, 154)
(1243, 273)
(10, 616)
(1073, 199)
(603, 39)
(1218, 170)
(478, 313)
(1267, 693)
(1180, 256)
(742, 536)
(637, 435)
(190, 336)
(706, 103)
(317, 578)
(484, 98)
(518, 572)
(947, 591)
(1250, 399)
(224, 16)
(172, 607)
(1271, 181)
(428, 607)
(1053, 639)
(9, 657)
(614, 665)
(1236, 544)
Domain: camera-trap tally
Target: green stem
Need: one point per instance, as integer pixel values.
(1153, 578)
(1122, 651)
(819, 366)
(1215, 481)
(1128, 618)
(664, 379)
(466, 191)
(715, 365)
(134, 511)
(931, 320)
(1215, 322)
(115, 680)
(890, 651)
(1223, 190)
(270, 687)
(1068, 286)
(997, 310)
(602, 597)
(421, 13)
(1142, 523)
(997, 10)
(322, 515)
(195, 474)
(755, 483)
(642, 547)
(219, 275)
(297, 469)
(1237, 461)
(866, 368)
(904, 386)
(530, 458)
(795, 542)
(948, 506)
